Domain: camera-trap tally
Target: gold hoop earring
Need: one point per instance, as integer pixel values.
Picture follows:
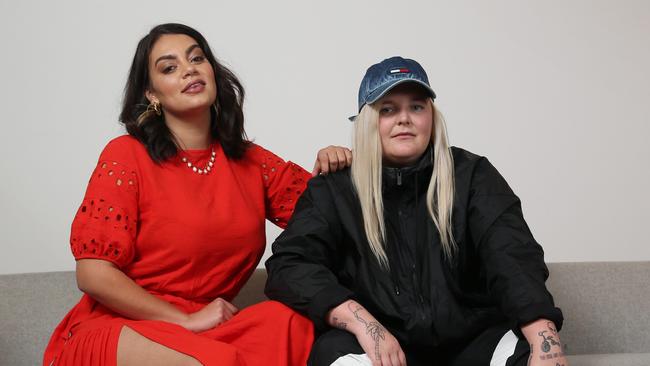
(154, 107)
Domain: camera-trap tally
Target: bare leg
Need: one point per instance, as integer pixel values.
(134, 349)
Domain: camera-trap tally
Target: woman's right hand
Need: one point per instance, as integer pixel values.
(331, 159)
(377, 342)
(381, 347)
(213, 314)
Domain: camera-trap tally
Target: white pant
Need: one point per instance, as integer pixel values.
(505, 349)
(353, 360)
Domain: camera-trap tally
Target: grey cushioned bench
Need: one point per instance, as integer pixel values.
(606, 306)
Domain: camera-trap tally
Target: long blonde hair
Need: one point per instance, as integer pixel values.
(367, 181)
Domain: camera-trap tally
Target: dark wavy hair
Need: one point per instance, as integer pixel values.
(227, 117)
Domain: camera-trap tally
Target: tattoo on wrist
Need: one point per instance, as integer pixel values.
(551, 356)
(339, 324)
(549, 339)
(376, 331)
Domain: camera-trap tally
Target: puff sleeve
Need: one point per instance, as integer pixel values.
(284, 182)
(105, 225)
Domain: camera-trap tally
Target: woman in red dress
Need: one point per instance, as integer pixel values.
(172, 224)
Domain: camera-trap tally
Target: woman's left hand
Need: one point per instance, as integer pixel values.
(545, 346)
(331, 159)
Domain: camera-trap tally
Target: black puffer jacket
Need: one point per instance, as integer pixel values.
(498, 275)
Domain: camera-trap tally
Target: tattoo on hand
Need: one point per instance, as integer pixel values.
(548, 341)
(374, 329)
(551, 356)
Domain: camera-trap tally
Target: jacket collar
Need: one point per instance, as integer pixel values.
(392, 177)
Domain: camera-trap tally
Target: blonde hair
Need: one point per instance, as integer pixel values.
(367, 181)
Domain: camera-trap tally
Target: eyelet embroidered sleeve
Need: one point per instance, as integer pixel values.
(284, 182)
(105, 224)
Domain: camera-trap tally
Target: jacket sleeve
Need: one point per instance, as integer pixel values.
(301, 269)
(513, 261)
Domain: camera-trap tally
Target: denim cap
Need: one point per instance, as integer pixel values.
(382, 77)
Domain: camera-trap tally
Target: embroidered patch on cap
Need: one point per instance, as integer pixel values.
(400, 70)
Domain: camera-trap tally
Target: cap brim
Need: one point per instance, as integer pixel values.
(380, 92)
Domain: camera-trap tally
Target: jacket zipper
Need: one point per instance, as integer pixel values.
(399, 183)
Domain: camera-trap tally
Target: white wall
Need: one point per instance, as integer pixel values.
(555, 93)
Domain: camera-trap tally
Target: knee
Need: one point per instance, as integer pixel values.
(277, 310)
(331, 345)
(275, 307)
(190, 361)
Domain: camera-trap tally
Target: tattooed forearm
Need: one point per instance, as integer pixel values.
(548, 341)
(373, 328)
(355, 309)
(339, 324)
(544, 356)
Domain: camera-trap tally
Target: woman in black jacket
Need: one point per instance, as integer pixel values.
(419, 253)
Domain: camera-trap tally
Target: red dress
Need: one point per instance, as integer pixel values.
(188, 239)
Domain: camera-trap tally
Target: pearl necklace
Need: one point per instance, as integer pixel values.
(201, 171)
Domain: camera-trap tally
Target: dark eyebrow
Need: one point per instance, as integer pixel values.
(172, 57)
(190, 49)
(165, 57)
